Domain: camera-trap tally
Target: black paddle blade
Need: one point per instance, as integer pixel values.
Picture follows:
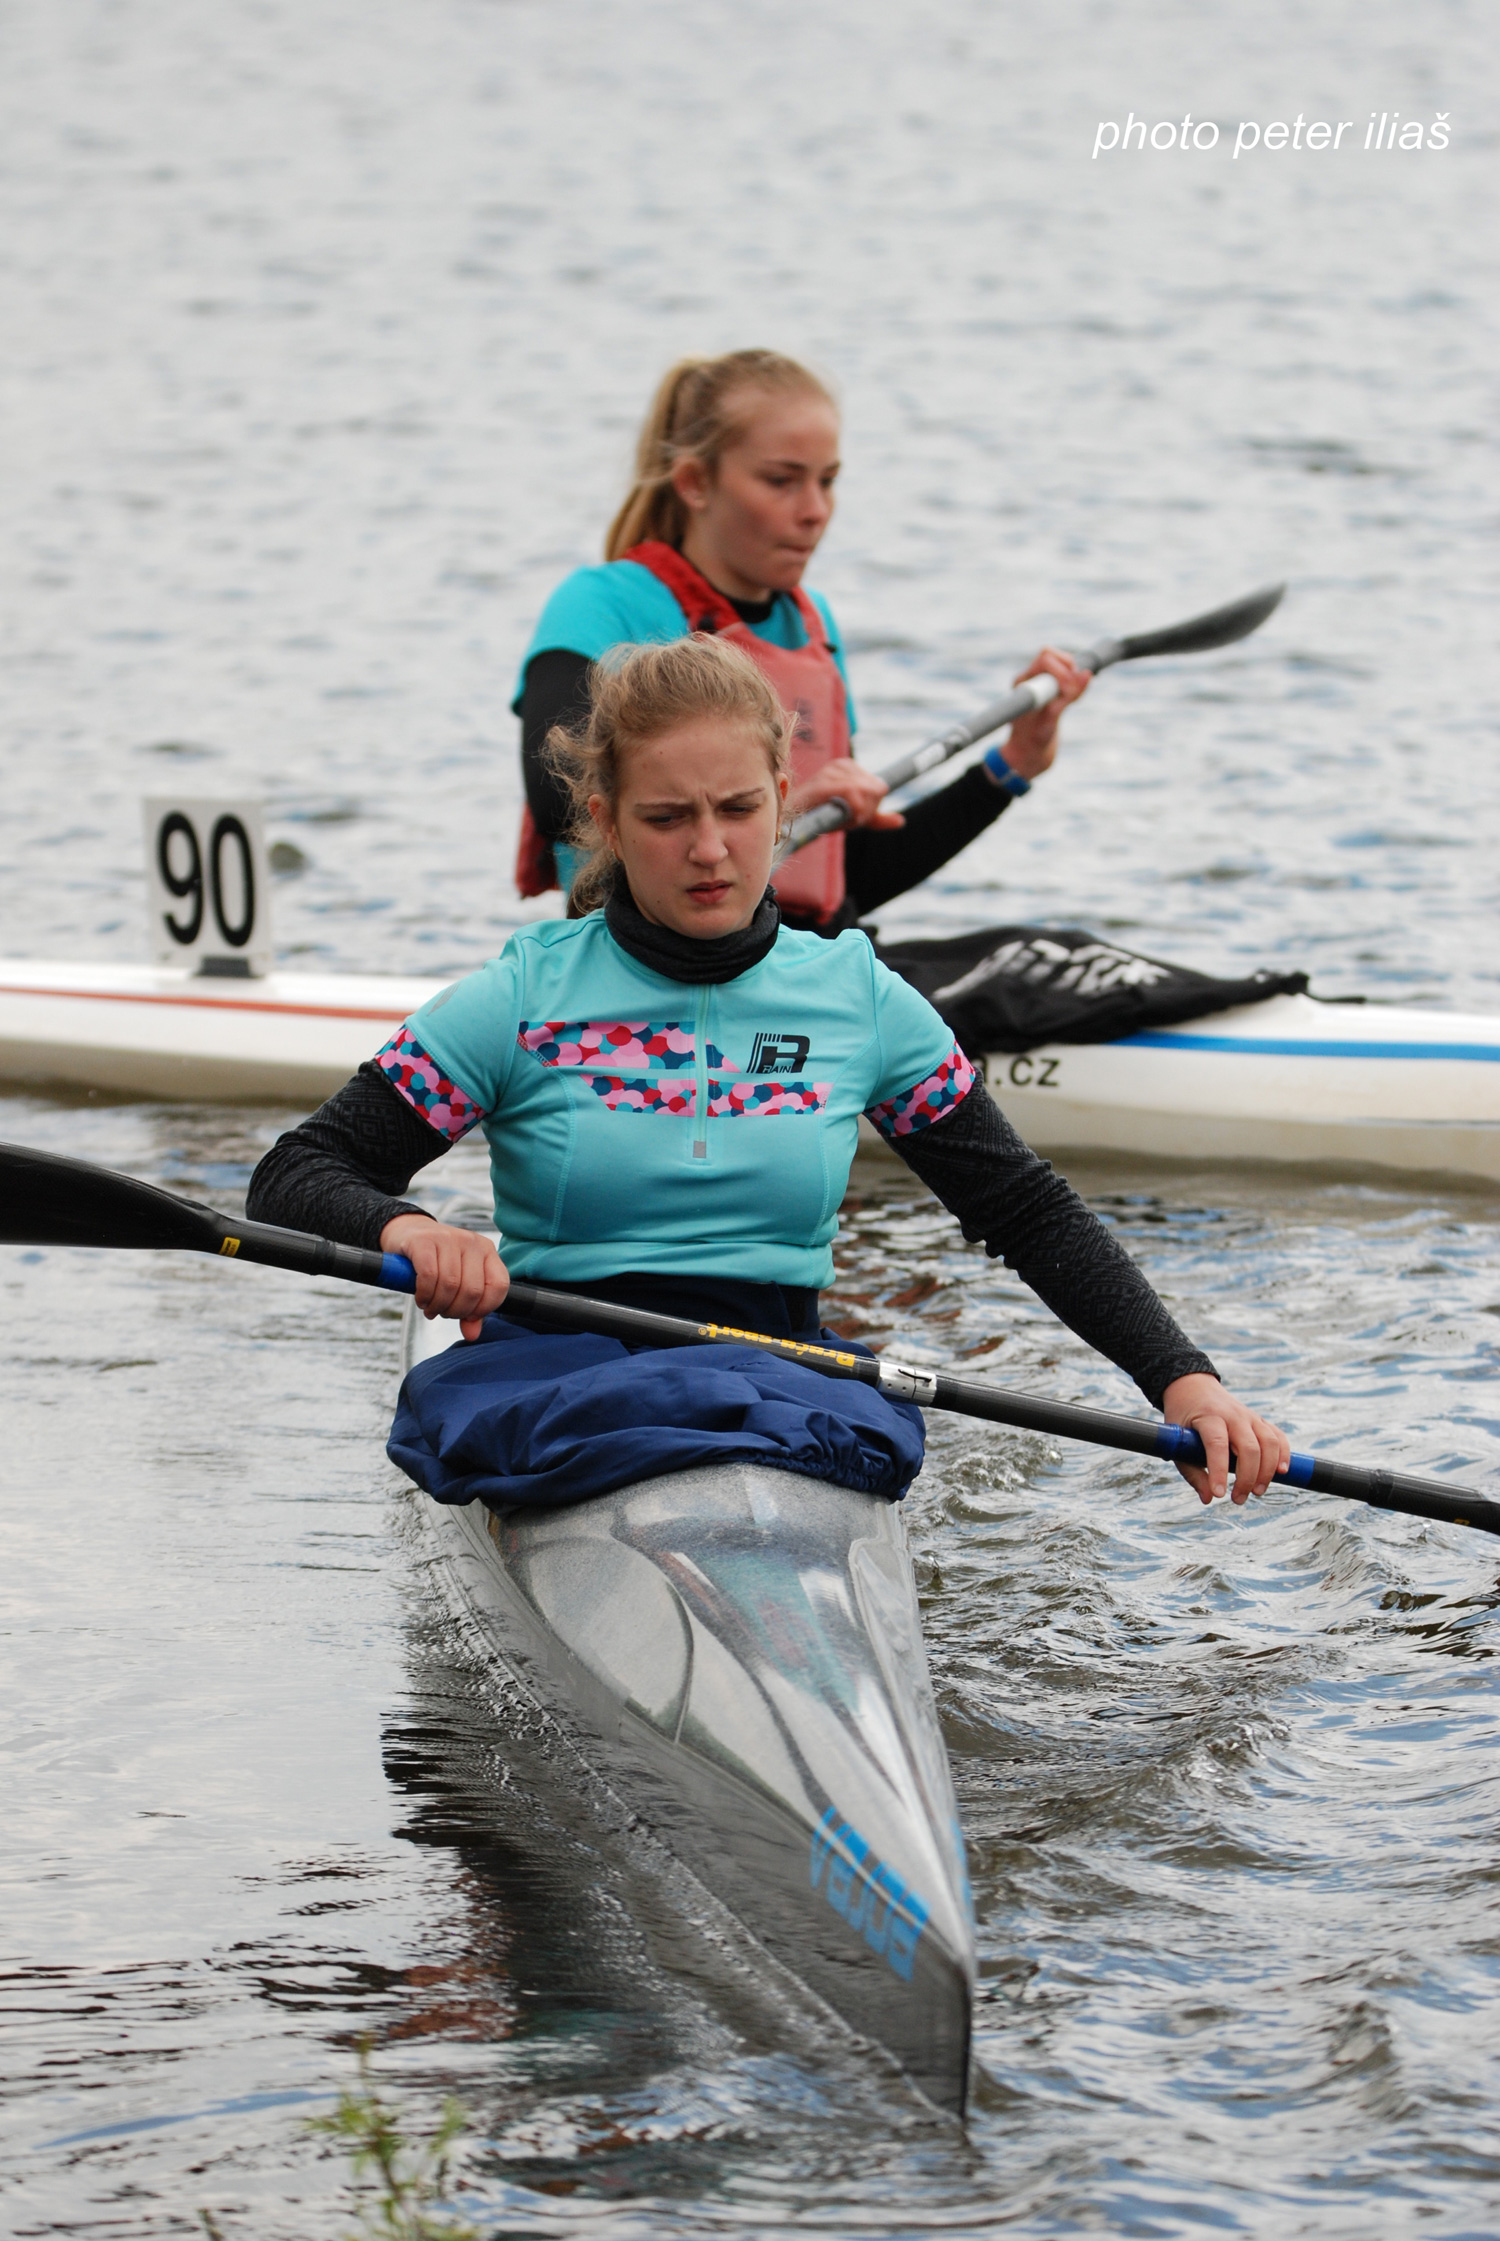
(48, 1200)
(1220, 627)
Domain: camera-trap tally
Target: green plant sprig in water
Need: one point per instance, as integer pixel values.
(411, 2175)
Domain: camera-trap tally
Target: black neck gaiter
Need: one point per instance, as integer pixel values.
(683, 957)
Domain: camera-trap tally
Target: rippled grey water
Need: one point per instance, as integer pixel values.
(325, 331)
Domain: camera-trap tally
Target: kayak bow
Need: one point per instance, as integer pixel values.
(739, 1652)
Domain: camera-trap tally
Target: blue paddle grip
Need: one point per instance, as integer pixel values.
(1176, 1444)
(397, 1273)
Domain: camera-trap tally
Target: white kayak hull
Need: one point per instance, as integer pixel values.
(1288, 1080)
(1276, 1081)
(150, 1032)
(743, 1649)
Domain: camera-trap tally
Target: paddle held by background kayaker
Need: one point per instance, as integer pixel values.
(671, 1083)
(734, 487)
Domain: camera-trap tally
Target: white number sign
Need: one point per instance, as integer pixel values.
(208, 886)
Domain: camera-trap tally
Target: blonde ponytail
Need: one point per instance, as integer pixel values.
(699, 409)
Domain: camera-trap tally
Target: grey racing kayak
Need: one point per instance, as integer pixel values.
(745, 1648)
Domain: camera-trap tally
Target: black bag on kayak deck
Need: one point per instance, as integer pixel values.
(1012, 987)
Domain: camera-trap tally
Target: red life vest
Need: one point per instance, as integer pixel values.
(536, 866)
(808, 685)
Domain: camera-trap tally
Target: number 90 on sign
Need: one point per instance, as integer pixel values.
(207, 886)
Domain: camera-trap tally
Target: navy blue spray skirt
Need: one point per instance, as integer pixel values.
(522, 1416)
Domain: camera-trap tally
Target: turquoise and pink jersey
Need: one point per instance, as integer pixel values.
(635, 1122)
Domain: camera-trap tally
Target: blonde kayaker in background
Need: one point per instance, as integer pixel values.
(671, 1084)
(736, 468)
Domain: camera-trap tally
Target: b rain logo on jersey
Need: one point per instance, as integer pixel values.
(778, 1054)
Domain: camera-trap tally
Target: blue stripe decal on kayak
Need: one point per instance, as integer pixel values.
(1289, 1046)
(868, 1894)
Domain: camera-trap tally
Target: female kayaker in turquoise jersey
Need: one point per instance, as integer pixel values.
(671, 1084)
(735, 474)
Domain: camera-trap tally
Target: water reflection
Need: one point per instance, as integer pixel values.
(633, 2048)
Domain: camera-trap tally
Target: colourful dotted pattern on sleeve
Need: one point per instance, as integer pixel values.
(421, 1081)
(624, 1043)
(928, 1101)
